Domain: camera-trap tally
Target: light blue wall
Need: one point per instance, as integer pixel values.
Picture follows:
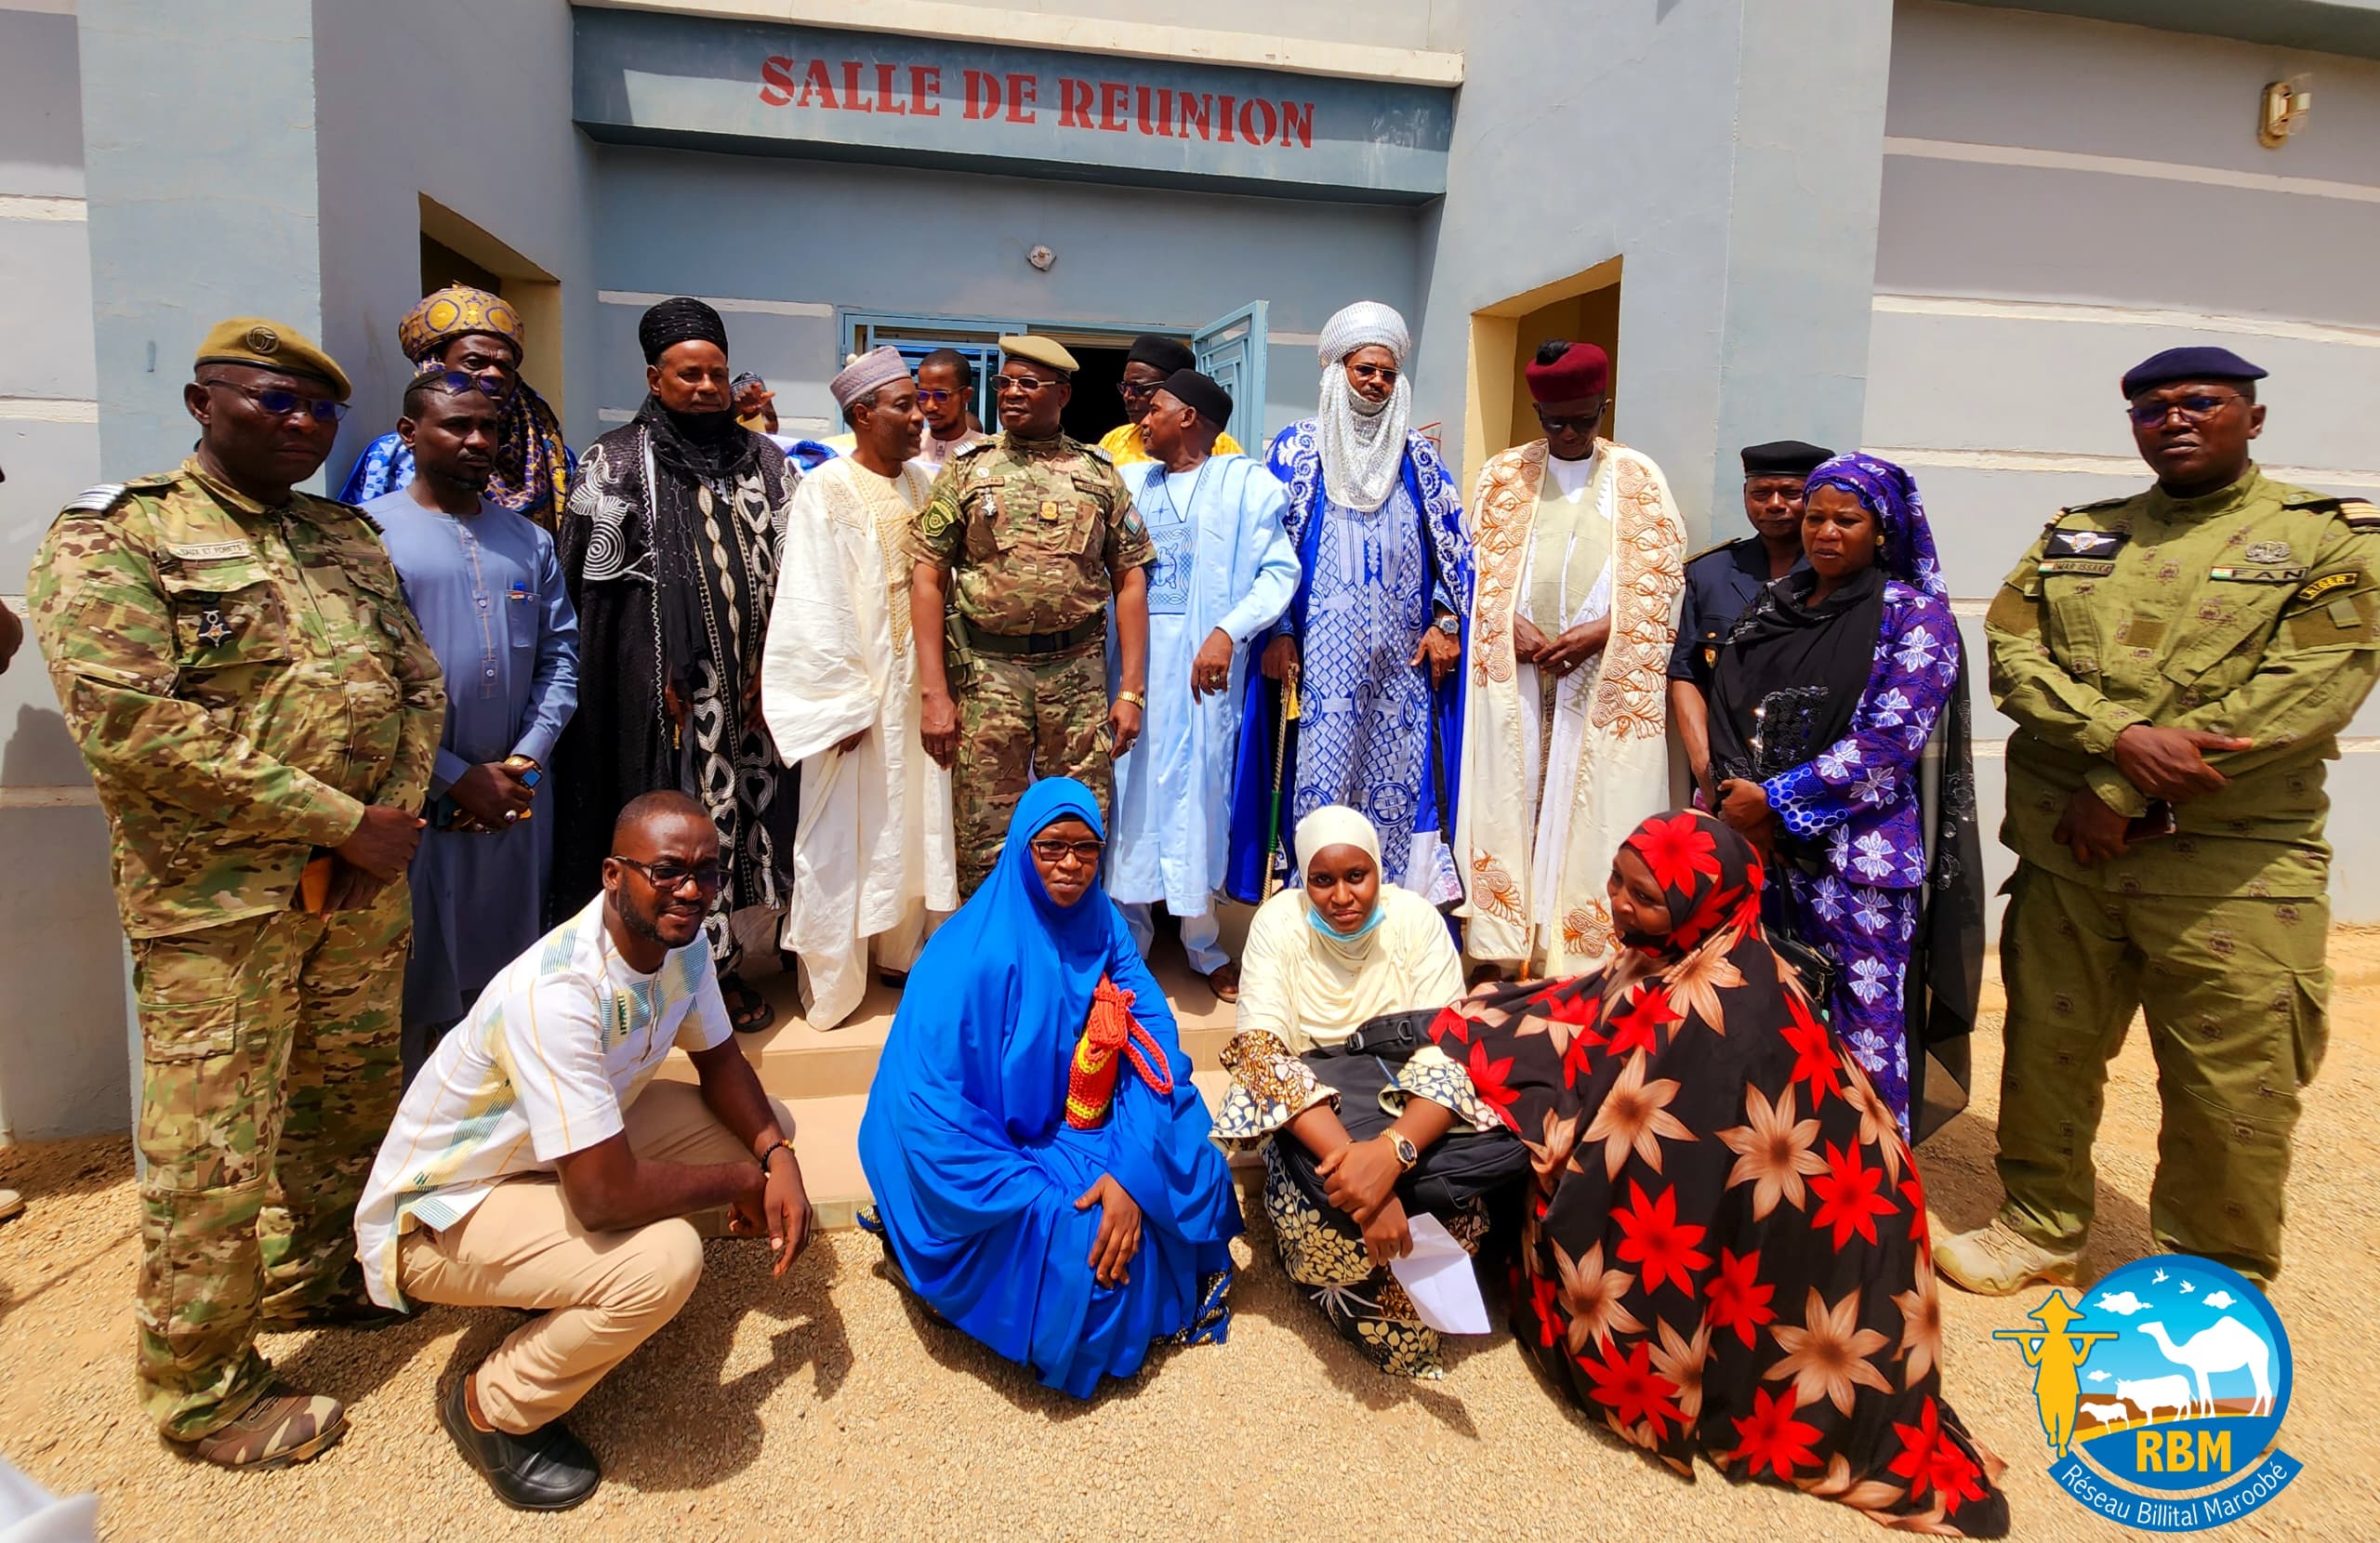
(1725, 151)
(469, 104)
(884, 239)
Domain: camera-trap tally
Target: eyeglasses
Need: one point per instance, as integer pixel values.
(284, 403)
(934, 398)
(670, 878)
(1574, 423)
(455, 382)
(2197, 409)
(1374, 372)
(1086, 852)
(1133, 390)
(1026, 383)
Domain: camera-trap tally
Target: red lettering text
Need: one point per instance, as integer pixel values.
(817, 86)
(1074, 102)
(1200, 110)
(1248, 121)
(1113, 95)
(1298, 118)
(854, 98)
(1222, 117)
(983, 95)
(1021, 90)
(885, 103)
(776, 80)
(925, 90)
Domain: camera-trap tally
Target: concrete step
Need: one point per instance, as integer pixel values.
(823, 1074)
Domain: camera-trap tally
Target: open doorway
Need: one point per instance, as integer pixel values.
(1096, 405)
(1584, 307)
(456, 250)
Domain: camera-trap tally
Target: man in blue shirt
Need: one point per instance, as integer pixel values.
(1722, 581)
(487, 589)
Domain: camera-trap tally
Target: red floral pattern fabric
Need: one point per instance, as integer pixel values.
(1723, 1246)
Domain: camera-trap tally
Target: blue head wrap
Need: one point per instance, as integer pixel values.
(1890, 494)
(966, 1145)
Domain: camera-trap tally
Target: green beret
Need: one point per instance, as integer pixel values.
(1042, 351)
(270, 345)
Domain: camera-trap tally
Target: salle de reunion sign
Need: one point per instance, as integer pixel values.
(757, 88)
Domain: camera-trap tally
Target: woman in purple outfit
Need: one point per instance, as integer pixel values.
(1839, 741)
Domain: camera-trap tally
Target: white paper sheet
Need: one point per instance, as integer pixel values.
(1437, 1276)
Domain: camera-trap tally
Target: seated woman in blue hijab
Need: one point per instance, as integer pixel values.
(1041, 1167)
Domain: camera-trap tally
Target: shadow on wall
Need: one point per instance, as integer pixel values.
(63, 1068)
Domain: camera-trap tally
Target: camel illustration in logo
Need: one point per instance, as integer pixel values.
(2226, 1345)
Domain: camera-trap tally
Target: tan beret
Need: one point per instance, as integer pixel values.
(270, 345)
(1042, 351)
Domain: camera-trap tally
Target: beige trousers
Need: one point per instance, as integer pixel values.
(603, 1293)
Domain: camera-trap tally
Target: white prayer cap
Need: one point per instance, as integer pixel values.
(865, 373)
(1335, 826)
(1361, 325)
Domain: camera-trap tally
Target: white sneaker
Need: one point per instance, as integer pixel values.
(1998, 1260)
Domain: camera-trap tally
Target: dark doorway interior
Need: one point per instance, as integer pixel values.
(1096, 408)
(441, 264)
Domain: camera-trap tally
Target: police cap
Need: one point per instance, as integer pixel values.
(2191, 363)
(1784, 458)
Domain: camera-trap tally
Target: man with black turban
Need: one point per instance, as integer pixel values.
(1153, 358)
(670, 551)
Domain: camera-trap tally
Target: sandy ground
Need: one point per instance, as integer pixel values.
(824, 1406)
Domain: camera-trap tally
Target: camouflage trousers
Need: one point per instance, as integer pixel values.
(1020, 718)
(2235, 994)
(268, 1075)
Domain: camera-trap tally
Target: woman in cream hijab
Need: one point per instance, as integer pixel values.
(1322, 960)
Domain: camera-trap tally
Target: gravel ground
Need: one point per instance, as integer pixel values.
(825, 1405)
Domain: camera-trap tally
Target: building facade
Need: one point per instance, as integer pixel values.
(1936, 229)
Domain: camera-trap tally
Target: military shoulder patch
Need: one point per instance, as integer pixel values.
(2086, 508)
(2084, 543)
(1100, 451)
(2327, 583)
(96, 499)
(2360, 514)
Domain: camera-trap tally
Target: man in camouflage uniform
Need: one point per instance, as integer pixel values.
(237, 661)
(1029, 535)
(2179, 664)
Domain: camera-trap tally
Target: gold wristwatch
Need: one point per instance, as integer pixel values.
(1406, 1153)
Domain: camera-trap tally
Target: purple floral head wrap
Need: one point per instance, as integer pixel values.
(1890, 494)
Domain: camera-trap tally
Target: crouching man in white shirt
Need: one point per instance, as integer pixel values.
(535, 1163)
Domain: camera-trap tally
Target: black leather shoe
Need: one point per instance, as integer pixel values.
(547, 1470)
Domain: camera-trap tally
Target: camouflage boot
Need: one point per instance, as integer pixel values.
(278, 1429)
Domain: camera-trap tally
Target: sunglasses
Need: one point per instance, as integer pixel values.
(1133, 390)
(934, 398)
(285, 403)
(1086, 852)
(1575, 423)
(669, 877)
(455, 382)
(1026, 383)
(2197, 409)
(1373, 372)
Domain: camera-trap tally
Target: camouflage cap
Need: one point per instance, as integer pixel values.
(270, 345)
(1040, 350)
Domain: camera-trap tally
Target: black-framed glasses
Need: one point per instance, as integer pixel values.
(1384, 373)
(934, 396)
(283, 403)
(670, 878)
(1569, 423)
(1053, 850)
(1136, 390)
(2194, 409)
(1026, 383)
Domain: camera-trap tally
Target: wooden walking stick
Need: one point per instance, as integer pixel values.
(1273, 811)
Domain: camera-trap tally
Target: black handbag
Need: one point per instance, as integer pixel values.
(1456, 1169)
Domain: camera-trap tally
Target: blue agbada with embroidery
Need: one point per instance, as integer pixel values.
(973, 1167)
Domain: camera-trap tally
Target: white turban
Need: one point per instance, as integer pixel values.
(1361, 325)
(866, 374)
(1335, 826)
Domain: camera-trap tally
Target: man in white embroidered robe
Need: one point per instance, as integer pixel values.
(1224, 572)
(1578, 566)
(873, 858)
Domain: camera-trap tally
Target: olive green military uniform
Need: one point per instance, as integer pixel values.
(2251, 612)
(242, 681)
(1036, 534)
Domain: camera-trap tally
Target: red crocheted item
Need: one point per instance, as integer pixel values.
(1112, 1033)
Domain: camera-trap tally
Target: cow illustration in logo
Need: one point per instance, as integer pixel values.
(2199, 1368)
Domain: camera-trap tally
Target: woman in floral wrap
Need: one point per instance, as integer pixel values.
(1725, 1250)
